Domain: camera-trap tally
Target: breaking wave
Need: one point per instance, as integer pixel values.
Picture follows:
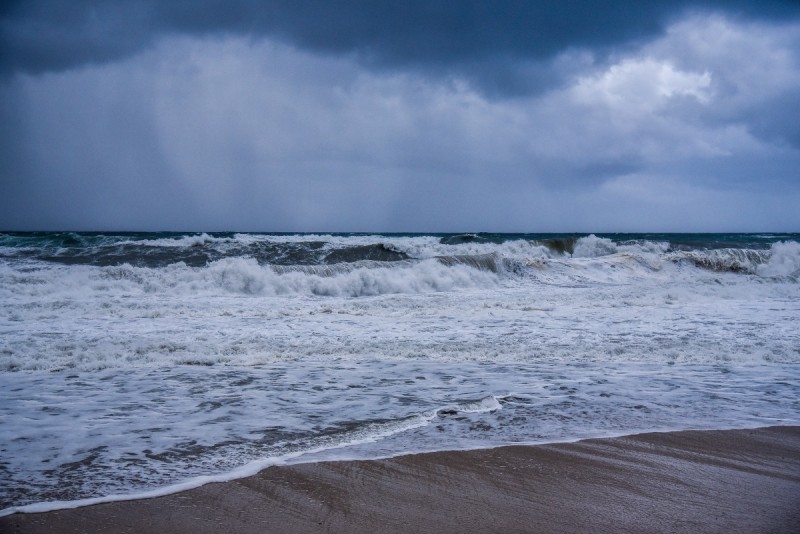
(379, 269)
(560, 246)
(724, 260)
(247, 277)
(782, 260)
(483, 262)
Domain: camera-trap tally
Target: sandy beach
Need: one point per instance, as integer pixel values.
(691, 481)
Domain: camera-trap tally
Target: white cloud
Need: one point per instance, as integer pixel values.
(641, 86)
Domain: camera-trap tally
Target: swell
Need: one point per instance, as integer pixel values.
(482, 262)
(202, 254)
(197, 250)
(376, 252)
(560, 246)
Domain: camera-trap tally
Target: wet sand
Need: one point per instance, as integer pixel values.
(692, 481)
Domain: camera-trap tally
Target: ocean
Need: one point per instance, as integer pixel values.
(136, 364)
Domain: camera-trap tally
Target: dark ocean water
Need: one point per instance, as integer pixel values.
(200, 249)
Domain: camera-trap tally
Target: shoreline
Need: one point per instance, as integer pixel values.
(316, 457)
(745, 480)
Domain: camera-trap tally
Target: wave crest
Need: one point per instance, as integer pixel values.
(483, 262)
(784, 261)
(246, 276)
(592, 246)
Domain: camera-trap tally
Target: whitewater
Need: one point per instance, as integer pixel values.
(136, 364)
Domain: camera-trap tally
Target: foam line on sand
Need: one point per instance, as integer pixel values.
(689, 481)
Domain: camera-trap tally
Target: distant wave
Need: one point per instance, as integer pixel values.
(379, 269)
(461, 238)
(272, 264)
(203, 249)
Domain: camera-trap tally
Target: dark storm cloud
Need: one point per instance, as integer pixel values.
(366, 116)
(483, 41)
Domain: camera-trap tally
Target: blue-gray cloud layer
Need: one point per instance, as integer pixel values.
(479, 39)
(406, 116)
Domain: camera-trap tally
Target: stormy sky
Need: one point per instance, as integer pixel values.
(326, 115)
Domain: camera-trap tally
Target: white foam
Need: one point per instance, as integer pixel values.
(113, 417)
(592, 246)
(237, 312)
(486, 404)
(246, 276)
(241, 276)
(368, 434)
(784, 261)
(181, 242)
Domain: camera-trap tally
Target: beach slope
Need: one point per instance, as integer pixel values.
(690, 481)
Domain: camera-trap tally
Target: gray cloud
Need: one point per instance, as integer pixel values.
(195, 126)
(482, 41)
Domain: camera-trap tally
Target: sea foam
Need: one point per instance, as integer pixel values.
(133, 364)
(784, 261)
